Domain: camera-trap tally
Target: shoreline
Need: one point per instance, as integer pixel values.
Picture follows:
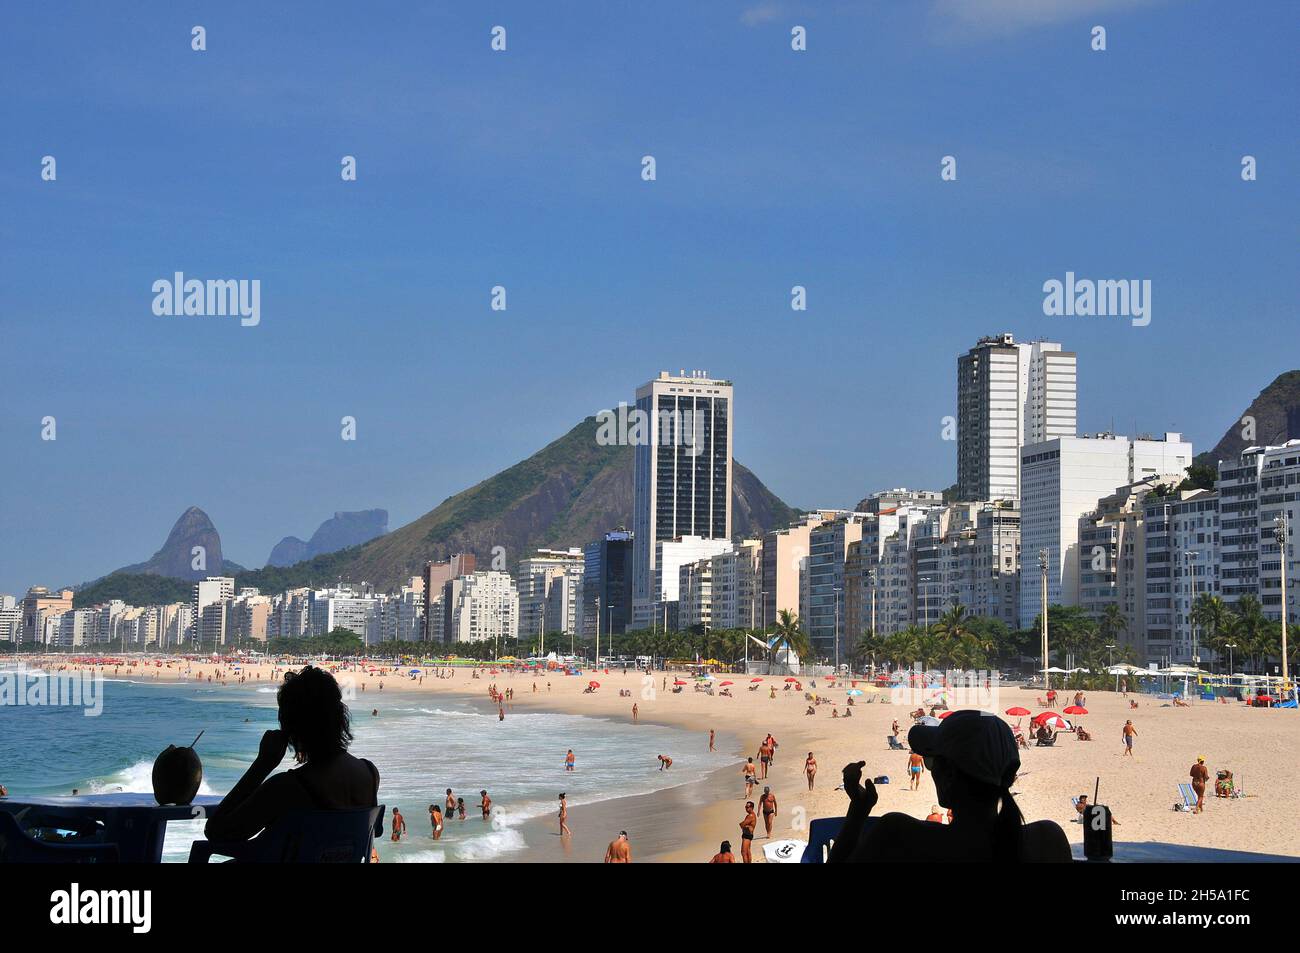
(1258, 745)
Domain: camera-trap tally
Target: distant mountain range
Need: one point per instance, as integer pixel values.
(566, 494)
(339, 532)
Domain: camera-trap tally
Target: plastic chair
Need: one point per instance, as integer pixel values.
(303, 837)
(19, 847)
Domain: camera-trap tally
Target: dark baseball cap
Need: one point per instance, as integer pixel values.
(978, 744)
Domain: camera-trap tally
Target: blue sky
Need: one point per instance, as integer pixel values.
(522, 168)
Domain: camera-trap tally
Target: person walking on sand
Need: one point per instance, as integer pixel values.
(564, 816)
(747, 825)
(810, 769)
(749, 772)
(764, 759)
(619, 850)
(768, 805)
(711, 748)
(915, 765)
(1200, 775)
(1129, 734)
(399, 825)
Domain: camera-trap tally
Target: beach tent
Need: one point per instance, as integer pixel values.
(784, 851)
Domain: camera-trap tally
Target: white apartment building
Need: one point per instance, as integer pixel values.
(536, 578)
(11, 619)
(671, 555)
(1061, 480)
(1009, 395)
(342, 608)
(737, 577)
(485, 607)
(1279, 494)
(211, 630)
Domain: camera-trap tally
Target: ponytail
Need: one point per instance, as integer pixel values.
(1006, 829)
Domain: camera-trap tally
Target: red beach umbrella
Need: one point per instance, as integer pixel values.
(1056, 721)
(1044, 715)
(1076, 710)
(594, 684)
(791, 678)
(1017, 712)
(947, 713)
(721, 684)
(755, 679)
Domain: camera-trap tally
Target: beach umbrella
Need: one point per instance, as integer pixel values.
(678, 681)
(593, 684)
(755, 679)
(1044, 715)
(1017, 712)
(946, 714)
(1056, 721)
(720, 684)
(791, 678)
(1076, 710)
(854, 691)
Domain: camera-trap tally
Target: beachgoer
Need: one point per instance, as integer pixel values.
(768, 805)
(399, 825)
(749, 771)
(747, 825)
(810, 769)
(935, 816)
(711, 748)
(435, 821)
(665, 762)
(619, 850)
(568, 760)
(564, 816)
(315, 723)
(1200, 776)
(724, 854)
(915, 766)
(1129, 734)
(974, 762)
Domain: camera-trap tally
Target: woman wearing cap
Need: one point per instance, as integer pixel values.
(972, 758)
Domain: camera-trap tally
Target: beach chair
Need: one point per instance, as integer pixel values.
(894, 743)
(19, 847)
(821, 834)
(1188, 794)
(303, 837)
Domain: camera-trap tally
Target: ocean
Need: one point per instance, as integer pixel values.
(422, 745)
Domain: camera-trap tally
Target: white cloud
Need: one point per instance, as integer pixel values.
(975, 19)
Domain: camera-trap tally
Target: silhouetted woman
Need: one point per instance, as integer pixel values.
(972, 758)
(315, 722)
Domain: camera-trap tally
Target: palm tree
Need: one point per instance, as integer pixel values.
(1211, 614)
(1112, 623)
(788, 634)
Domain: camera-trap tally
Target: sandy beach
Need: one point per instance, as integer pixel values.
(1257, 745)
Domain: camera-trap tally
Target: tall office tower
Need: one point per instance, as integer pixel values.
(1009, 395)
(209, 591)
(1279, 478)
(1183, 562)
(607, 584)
(1063, 478)
(828, 548)
(682, 476)
(785, 558)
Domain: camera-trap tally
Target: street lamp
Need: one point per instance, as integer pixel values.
(837, 590)
(1042, 567)
(1280, 533)
(1188, 556)
(1230, 646)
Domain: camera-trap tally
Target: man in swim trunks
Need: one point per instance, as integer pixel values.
(665, 762)
(768, 805)
(915, 765)
(451, 805)
(764, 759)
(747, 825)
(750, 773)
(619, 850)
(1129, 734)
(568, 760)
(1200, 775)
(485, 804)
(399, 825)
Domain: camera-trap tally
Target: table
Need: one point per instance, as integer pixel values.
(135, 822)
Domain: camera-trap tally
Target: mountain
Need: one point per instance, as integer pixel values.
(176, 559)
(339, 532)
(566, 494)
(1276, 415)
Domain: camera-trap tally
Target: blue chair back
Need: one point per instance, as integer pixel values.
(821, 832)
(18, 847)
(304, 837)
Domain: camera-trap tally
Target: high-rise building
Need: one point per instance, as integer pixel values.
(607, 584)
(1279, 493)
(785, 559)
(535, 578)
(437, 575)
(1061, 480)
(210, 628)
(484, 606)
(682, 474)
(1009, 395)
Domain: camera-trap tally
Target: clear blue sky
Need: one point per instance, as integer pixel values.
(522, 168)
